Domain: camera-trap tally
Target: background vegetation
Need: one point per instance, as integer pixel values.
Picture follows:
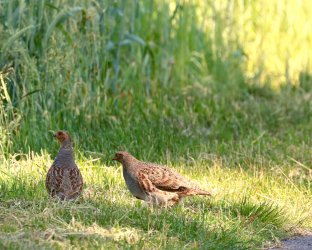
(220, 90)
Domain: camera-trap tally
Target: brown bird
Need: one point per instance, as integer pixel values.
(154, 183)
(64, 179)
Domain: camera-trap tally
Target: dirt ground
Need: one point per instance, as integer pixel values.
(296, 243)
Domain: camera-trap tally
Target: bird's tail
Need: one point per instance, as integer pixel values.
(202, 192)
(191, 192)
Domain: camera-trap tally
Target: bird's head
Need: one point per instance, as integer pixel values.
(62, 137)
(123, 156)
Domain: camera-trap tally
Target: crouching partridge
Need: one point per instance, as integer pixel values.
(155, 184)
(64, 179)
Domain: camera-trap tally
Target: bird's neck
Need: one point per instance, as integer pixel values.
(130, 163)
(66, 144)
(65, 157)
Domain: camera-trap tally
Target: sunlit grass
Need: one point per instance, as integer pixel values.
(274, 49)
(250, 208)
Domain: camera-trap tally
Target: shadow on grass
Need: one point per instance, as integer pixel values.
(198, 223)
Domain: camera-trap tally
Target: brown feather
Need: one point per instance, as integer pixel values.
(155, 183)
(64, 179)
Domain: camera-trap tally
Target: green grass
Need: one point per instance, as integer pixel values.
(212, 89)
(250, 209)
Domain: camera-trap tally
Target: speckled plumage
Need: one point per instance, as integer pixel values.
(64, 179)
(155, 183)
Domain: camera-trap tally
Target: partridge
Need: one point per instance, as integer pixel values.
(155, 184)
(64, 179)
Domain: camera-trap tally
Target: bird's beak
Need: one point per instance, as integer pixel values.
(115, 158)
(54, 135)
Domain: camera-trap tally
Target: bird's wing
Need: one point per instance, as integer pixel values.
(155, 195)
(72, 182)
(145, 183)
(54, 180)
(76, 181)
(165, 179)
(67, 182)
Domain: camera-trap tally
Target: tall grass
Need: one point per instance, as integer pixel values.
(9, 119)
(128, 74)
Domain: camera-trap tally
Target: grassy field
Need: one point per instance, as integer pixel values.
(210, 88)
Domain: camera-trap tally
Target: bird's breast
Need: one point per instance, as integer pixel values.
(132, 184)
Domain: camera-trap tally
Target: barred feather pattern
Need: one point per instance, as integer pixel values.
(64, 179)
(155, 183)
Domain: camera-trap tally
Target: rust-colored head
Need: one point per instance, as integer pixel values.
(62, 136)
(122, 156)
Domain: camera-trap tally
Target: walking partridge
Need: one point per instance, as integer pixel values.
(154, 183)
(64, 179)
